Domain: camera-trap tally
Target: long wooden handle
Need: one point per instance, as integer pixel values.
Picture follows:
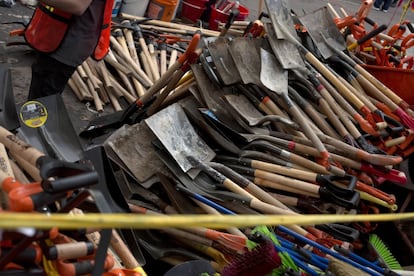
(19, 147)
(171, 25)
(334, 80)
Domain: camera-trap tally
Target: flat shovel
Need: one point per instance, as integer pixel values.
(274, 77)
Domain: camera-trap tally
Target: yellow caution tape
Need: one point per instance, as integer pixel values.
(11, 220)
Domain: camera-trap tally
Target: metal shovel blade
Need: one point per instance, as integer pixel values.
(246, 56)
(287, 54)
(321, 22)
(280, 32)
(174, 130)
(272, 74)
(131, 149)
(225, 67)
(282, 21)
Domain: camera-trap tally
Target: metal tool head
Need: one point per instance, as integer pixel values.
(131, 149)
(246, 56)
(281, 31)
(319, 24)
(272, 74)
(225, 67)
(287, 54)
(279, 13)
(173, 128)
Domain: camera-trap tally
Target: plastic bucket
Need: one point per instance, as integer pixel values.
(162, 9)
(218, 16)
(401, 81)
(192, 12)
(134, 7)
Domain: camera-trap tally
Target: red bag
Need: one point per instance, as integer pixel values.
(47, 28)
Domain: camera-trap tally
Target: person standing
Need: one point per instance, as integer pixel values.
(64, 33)
(383, 5)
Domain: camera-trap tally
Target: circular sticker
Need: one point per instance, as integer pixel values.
(33, 114)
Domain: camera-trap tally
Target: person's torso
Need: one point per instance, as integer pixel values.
(82, 36)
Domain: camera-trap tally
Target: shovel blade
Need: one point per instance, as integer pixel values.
(318, 23)
(246, 56)
(282, 21)
(174, 130)
(286, 52)
(272, 75)
(225, 66)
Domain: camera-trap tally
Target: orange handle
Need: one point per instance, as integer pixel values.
(190, 48)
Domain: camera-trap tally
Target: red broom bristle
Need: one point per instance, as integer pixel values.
(257, 262)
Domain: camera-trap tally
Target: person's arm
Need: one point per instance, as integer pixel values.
(76, 7)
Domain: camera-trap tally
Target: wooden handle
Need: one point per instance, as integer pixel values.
(334, 80)
(284, 170)
(171, 25)
(123, 252)
(120, 50)
(19, 147)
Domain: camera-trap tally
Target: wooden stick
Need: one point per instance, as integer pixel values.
(170, 25)
(114, 100)
(142, 76)
(125, 79)
(7, 169)
(75, 89)
(173, 58)
(163, 58)
(19, 175)
(83, 89)
(96, 100)
(82, 73)
(103, 70)
(30, 169)
(124, 92)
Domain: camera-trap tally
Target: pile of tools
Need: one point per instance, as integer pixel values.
(386, 46)
(214, 127)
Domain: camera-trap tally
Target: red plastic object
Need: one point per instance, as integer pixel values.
(219, 16)
(192, 9)
(399, 80)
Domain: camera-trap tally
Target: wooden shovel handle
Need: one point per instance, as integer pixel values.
(334, 80)
(19, 147)
(308, 131)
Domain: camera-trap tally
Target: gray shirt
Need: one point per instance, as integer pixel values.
(82, 36)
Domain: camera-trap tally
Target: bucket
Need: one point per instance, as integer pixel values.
(116, 8)
(162, 9)
(399, 80)
(134, 7)
(218, 16)
(191, 11)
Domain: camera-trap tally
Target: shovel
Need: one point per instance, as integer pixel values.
(8, 113)
(280, 23)
(225, 66)
(130, 148)
(274, 78)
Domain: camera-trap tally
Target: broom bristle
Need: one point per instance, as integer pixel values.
(405, 118)
(340, 268)
(259, 261)
(384, 252)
